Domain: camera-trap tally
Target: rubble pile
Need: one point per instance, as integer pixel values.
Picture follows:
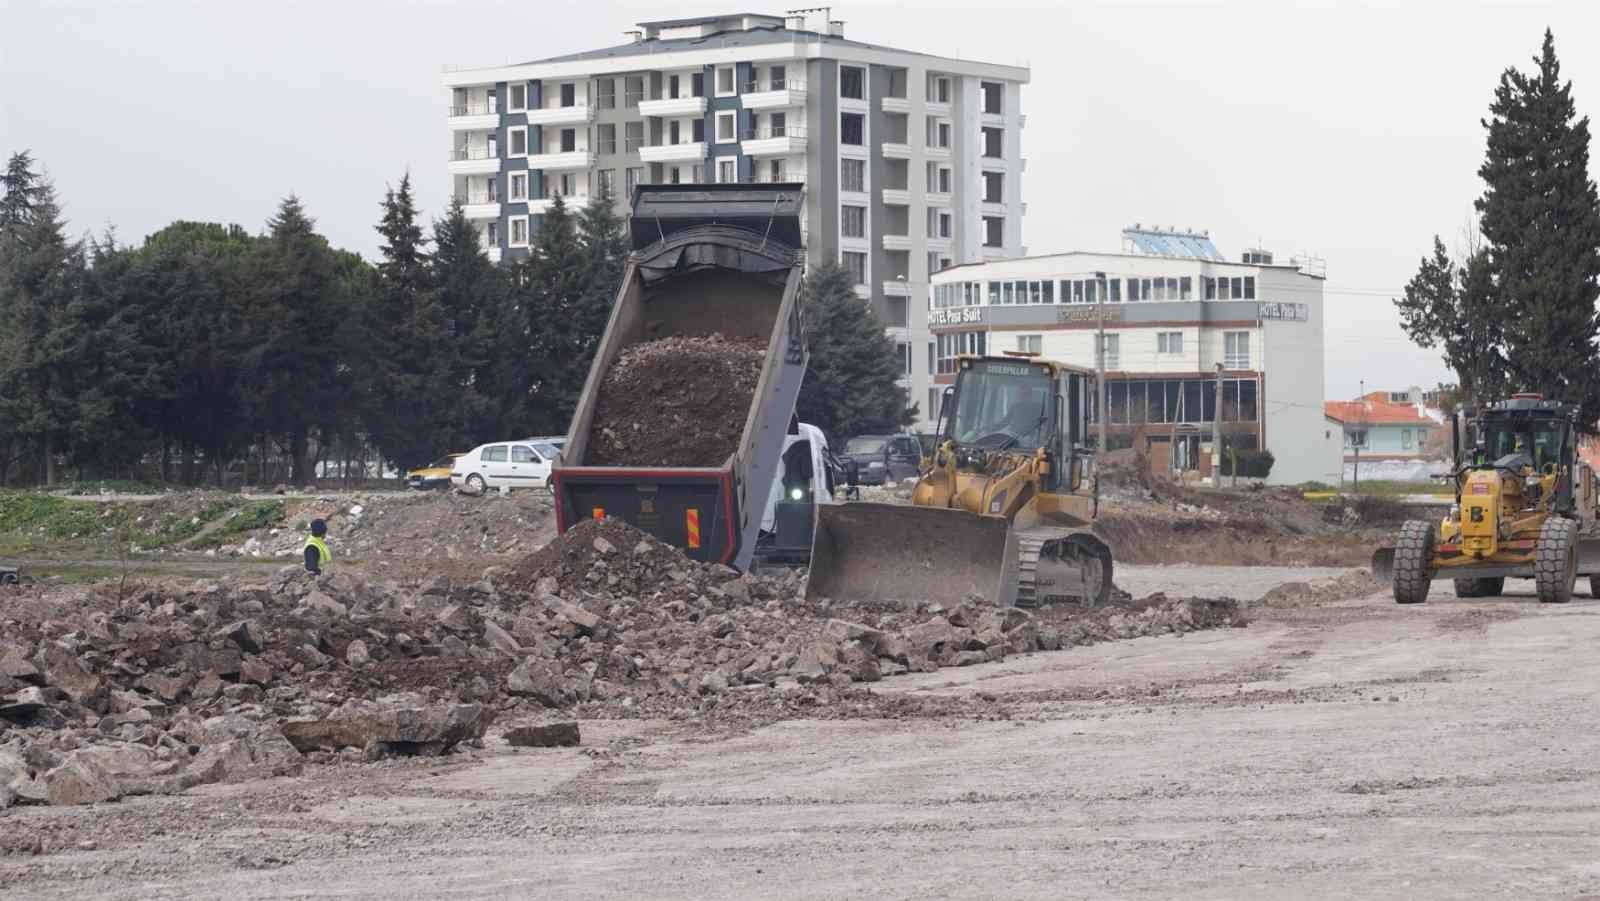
(103, 695)
(430, 525)
(698, 423)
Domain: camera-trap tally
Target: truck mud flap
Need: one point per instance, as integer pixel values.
(895, 553)
(1383, 564)
(1588, 556)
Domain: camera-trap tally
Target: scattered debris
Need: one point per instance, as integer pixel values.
(548, 735)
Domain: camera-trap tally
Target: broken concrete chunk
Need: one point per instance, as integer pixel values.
(541, 680)
(548, 735)
(356, 654)
(391, 729)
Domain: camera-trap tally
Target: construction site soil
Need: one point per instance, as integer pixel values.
(698, 423)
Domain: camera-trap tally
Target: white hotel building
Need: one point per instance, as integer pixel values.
(912, 163)
(1173, 310)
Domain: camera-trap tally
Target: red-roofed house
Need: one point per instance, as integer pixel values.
(1385, 425)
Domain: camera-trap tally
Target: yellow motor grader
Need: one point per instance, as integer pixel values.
(1003, 509)
(1525, 509)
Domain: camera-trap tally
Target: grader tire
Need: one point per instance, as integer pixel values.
(1413, 562)
(1555, 561)
(1480, 588)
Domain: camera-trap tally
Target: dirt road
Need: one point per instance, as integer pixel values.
(1355, 748)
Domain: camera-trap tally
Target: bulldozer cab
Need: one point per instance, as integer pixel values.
(1523, 434)
(1022, 405)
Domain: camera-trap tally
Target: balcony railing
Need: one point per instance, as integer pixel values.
(475, 109)
(765, 178)
(473, 153)
(783, 84)
(631, 99)
(473, 199)
(773, 131)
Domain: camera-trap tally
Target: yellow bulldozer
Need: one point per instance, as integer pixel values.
(1525, 508)
(1003, 508)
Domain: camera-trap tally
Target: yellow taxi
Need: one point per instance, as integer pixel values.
(434, 475)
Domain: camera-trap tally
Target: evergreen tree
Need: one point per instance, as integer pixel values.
(39, 271)
(554, 287)
(296, 313)
(1454, 308)
(1540, 217)
(850, 386)
(470, 291)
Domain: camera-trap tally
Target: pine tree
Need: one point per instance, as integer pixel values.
(39, 271)
(470, 292)
(1454, 308)
(851, 381)
(556, 279)
(1540, 217)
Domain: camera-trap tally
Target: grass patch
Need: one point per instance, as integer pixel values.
(108, 486)
(252, 516)
(58, 518)
(1381, 488)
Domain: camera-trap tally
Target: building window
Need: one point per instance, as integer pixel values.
(777, 78)
(606, 93)
(1169, 342)
(697, 130)
(725, 81)
(932, 413)
(606, 136)
(1030, 344)
(938, 89)
(855, 264)
(519, 231)
(633, 178)
(993, 145)
(1161, 289)
(491, 234)
(727, 171)
(569, 140)
(608, 182)
(1114, 290)
(1249, 287)
(994, 228)
(519, 186)
(517, 101)
(569, 94)
(1113, 355)
(853, 221)
(1186, 288)
(993, 97)
(852, 83)
(1049, 291)
(1236, 350)
(930, 369)
(674, 86)
(904, 350)
(853, 175)
(1405, 439)
(852, 129)
(518, 138)
(775, 172)
(726, 132)
(994, 187)
(632, 136)
(632, 91)
(1355, 438)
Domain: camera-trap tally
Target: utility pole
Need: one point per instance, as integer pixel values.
(1216, 437)
(1100, 379)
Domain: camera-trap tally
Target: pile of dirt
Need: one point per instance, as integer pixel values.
(679, 401)
(421, 526)
(604, 620)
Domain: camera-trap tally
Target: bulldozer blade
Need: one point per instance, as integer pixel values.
(1383, 564)
(891, 552)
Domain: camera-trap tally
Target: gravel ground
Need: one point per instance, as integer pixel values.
(1349, 747)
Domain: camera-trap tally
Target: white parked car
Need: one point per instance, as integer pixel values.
(506, 465)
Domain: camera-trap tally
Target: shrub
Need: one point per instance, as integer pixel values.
(1251, 464)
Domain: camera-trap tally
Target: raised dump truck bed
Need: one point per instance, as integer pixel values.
(708, 260)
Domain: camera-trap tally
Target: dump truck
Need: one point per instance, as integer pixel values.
(1525, 508)
(1004, 510)
(721, 259)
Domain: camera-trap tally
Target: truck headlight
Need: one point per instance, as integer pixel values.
(797, 494)
(875, 464)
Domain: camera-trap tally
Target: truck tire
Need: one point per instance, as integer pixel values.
(1481, 588)
(1555, 560)
(1594, 587)
(1413, 562)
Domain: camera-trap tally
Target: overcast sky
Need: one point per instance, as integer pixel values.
(1341, 130)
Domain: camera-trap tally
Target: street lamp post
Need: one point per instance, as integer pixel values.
(1100, 379)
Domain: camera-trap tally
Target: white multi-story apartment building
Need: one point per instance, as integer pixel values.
(1178, 318)
(912, 163)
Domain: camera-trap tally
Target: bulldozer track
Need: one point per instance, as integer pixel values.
(1030, 547)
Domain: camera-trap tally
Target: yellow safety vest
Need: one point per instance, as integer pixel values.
(323, 554)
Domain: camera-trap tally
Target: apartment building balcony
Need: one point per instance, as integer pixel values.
(895, 104)
(480, 206)
(673, 106)
(896, 287)
(571, 159)
(561, 115)
(896, 242)
(934, 152)
(935, 108)
(991, 208)
(940, 198)
(785, 141)
(994, 253)
(494, 254)
(897, 196)
(673, 153)
(895, 149)
(474, 117)
(941, 244)
(765, 95)
(474, 161)
(542, 205)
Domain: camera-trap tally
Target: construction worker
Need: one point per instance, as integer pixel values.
(317, 553)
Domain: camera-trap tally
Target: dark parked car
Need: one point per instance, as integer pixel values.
(883, 458)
